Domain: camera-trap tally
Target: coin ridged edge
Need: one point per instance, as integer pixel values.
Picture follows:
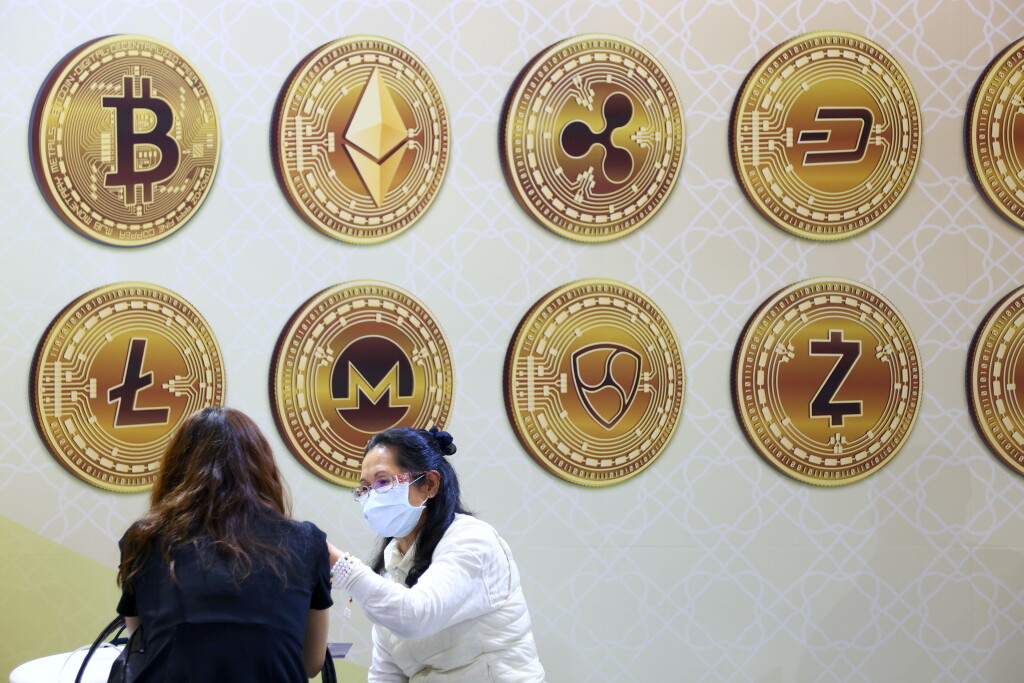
(507, 388)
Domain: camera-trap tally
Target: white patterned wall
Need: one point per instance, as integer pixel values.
(709, 565)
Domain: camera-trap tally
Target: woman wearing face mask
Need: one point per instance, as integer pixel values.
(442, 590)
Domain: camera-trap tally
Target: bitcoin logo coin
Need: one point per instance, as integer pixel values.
(995, 133)
(356, 359)
(113, 377)
(594, 382)
(994, 372)
(825, 135)
(827, 381)
(360, 139)
(592, 137)
(125, 140)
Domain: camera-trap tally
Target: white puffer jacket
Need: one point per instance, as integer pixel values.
(464, 620)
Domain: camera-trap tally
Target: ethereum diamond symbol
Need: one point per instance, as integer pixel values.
(375, 133)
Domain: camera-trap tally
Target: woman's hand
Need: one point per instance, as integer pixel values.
(333, 552)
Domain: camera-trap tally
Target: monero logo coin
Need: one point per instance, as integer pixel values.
(360, 139)
(124, 140)
(995, 133)
(113, 377)
(826, 135)
(354, 360)
(594, 382)
(592, 137)
(827, 381)
(994, 372)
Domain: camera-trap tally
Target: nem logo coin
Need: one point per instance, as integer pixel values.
(592, 137)
(360, 139)
(827, 381)
(355, 359)
(124, 140)
(826, 135)
(113, 377)
(594, 382)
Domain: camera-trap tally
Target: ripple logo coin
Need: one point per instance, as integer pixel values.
(995, 133)
(354, 360)
(826, 135)
(594, 382)
(827, 381)
(360, 139)
(592, 137)
(994, 372)
(124, 140)
(113, 377)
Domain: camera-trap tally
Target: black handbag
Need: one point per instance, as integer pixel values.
(131, 659)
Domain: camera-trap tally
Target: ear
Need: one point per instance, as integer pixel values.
(433, 481)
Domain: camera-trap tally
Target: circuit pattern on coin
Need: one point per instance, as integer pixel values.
(594, 382)
(124, 140)
(355, 359)
(115, 374)
(592, 137)
(826, 135)
(995, 370)
(360, 139)
(994, 133)
(827, 381)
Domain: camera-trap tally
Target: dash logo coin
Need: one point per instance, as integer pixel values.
(592, 137)
(826, 135)
(124, 140)
(356, 359)
(827, 381)
(113, 377)
(594, 382)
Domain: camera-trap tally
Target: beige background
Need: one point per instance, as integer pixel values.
(709, 565)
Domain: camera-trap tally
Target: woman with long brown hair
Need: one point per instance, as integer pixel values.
(225, 585)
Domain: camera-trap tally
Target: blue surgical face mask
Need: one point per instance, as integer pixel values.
(390, 514)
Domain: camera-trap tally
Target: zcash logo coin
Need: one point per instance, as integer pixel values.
(360, 139)
(354, 360)
(594, 382)
(995, 133)
(826, 135)
(994, 372)
(827, 381)
(125, 140)
(592, 137)
(113, 377)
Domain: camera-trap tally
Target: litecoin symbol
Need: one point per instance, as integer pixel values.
(125, 393)
(134, 167)
(355, 359)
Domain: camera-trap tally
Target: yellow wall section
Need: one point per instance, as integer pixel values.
(55, 600)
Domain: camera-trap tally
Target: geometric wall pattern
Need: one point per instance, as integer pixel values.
(709, 565)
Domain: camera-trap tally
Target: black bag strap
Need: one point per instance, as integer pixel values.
(328, 674)
(114, 627)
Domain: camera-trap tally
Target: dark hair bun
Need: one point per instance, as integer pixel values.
(445, 442)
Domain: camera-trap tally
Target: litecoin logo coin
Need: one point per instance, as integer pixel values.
(995, 134)
(113, 377)
(825, 135)
(356, 359)
(124, 140)
(592, 137)
(995, 370)
(827, 381)
(594, 382)
(360, 139)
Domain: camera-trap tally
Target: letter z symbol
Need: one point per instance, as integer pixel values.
(838, 156)
(822, 404)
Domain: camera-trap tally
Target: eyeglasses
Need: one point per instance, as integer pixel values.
(384, 485)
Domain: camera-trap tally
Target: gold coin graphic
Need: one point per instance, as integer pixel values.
(825, 135)
(994, 372)
(355, 359)
(592, 137)
(115, 374)
(995, 133)
(594, 382)
(826, 381)
(124, 140)
(360, 139)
